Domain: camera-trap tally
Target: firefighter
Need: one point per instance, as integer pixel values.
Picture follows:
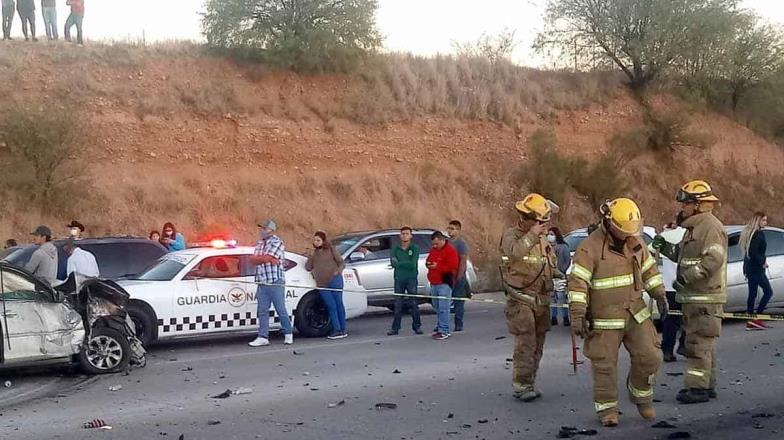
(528, 265)
(611, 269)
(700, 285)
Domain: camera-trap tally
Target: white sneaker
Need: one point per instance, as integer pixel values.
(259, 342)
(288, 339)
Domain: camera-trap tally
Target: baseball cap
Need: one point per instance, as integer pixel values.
(268, 224)
(42, 231)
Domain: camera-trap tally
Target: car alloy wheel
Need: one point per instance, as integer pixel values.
(104, 352)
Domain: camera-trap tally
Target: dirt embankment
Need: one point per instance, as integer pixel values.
(211, 145)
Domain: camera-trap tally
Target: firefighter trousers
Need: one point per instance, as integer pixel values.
(702, 323)
(529, 325)
(644, 347)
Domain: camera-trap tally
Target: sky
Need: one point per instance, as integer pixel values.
(424, 27)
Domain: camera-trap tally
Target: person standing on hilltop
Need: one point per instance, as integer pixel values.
(26, 9)
(8, 18)
(49, 13)
(76, 18)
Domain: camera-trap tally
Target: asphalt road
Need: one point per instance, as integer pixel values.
(455, 389)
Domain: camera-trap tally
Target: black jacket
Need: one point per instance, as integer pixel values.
(754, 263)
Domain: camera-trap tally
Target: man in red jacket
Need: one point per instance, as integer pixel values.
(441, 265)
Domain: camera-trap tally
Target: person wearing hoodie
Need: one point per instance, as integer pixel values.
(43, 262)
(171, 239)
(326, 265)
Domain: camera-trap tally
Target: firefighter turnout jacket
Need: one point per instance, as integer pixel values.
(607, 281)
(702, 263)
(528, 265)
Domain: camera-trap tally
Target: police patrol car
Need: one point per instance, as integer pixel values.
(210, 290)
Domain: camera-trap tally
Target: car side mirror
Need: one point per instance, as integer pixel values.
(357, 256)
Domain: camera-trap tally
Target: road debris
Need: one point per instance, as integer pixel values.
(7, 384)
(115, 388)
(224, 395)
(663, 424)
(762, 415)
(481, 421)
(450, 416)
(679, 435)
(96, 424)
(213, 422)
(674, 374)
(241, 390)
(188, 369)
(336, 404)
(396, 371)
(498, 338)
(571, 431)
(297, 353)
(385, 405)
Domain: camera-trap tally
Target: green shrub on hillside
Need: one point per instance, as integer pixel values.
(302, 35)
(39, 144)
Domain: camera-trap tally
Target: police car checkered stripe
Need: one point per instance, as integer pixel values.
(206, 322)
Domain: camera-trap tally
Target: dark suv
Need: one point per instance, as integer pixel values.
(117, 257)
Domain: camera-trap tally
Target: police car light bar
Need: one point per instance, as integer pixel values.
(215, 244)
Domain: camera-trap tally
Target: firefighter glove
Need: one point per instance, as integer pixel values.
(579, 326)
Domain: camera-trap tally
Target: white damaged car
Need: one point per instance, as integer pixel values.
(41, 325)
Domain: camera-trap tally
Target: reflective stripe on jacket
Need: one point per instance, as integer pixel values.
(607, 282)
(702, 262)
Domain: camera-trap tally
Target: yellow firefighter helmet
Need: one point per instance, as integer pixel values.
(624, 215)
(535, 206)
(696, 191)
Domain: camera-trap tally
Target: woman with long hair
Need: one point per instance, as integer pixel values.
(753, 245)
(563, 261)
(171, 239)
(326, 265)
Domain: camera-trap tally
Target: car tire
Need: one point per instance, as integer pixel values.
(143, 322)
(106, 351)
(312, 318)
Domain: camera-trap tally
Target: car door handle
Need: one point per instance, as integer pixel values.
(390, 267)
(10, 314)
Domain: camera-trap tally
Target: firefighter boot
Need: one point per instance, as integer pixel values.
(693, 395)
(609, 418)
(526, 393)
(647, 411)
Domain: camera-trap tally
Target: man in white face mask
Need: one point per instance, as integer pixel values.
(75, 230)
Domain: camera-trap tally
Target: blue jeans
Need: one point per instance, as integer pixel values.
(756, 281)
(558, 298)
(409, 286)
(442, 305)
(334, 301)
(50, 22)
(74, 20)
(461, 290)
(276, 295)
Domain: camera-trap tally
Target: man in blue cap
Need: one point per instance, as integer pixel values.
(268, 258)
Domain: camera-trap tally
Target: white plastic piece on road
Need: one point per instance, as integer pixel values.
(241, 390)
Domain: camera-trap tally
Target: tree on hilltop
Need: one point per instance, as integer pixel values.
(302, 35)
